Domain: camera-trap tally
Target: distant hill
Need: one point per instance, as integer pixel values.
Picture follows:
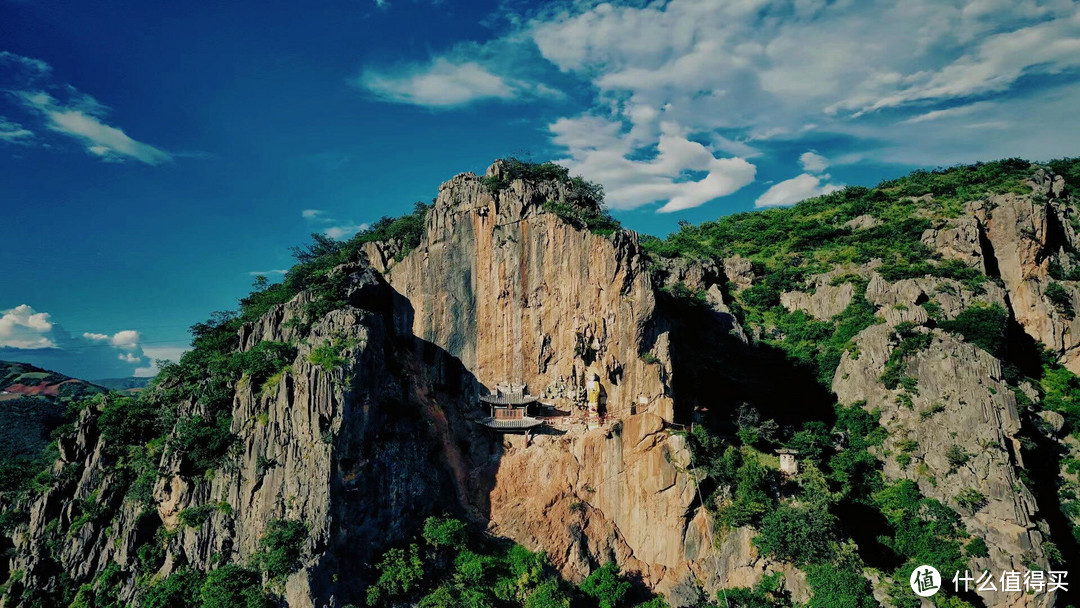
(32, 404)
(123, 384)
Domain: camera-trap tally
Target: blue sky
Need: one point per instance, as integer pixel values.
(154, 155)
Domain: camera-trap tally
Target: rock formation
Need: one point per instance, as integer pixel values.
(503, 289)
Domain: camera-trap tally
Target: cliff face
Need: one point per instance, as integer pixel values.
(520, 295)
(354, 452)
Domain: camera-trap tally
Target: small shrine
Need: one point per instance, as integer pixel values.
(788, 465)
(511, 409)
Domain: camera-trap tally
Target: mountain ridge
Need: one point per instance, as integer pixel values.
(341, 402)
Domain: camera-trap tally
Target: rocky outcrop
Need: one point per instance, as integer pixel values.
(963, 421)
(520, 295)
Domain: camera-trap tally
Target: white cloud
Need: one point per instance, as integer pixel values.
(22, 327)
(339, 232)
(791, 191)
(13, 132)
(955, 112)
(312, 214)
(442, 83)
(256, 273)
(159, 353)
(813, 162)
(104, 141)
(127, 339)
(994, 65)
(746, 78)
(683, 173)
(26, 67)
(64, 109)
(30, 336)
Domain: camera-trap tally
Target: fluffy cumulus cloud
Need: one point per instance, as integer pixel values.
(791, 191)
(62, 109)
(682, 173)
(30, 336)
(813, 162)
(688, 92)
(23, 327)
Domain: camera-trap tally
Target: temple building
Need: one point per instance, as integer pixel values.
(511, 409)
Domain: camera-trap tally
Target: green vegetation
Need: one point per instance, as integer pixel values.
(582, 205)
(1060, 298)
(582, 192)
(802, 534)
(984, 326)
(103, 591)
(595, 219)
(971, 499)
(768, 593)
(233, 586)
(448, 566)
(606, 586)
(801, 523)
(331, 355)
(195, 517)
(281, 544)
(976, 548)
(909, 342)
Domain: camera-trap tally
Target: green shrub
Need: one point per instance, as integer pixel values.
(833, 586)
(103, 591)
(264, 360)
(977, 548)
(983, 326)
(606, 586)
(201, 443)
(767, 593)
(233, 586)
(400, 573)
(195, 517)
(182, 588)
(752, 494)
(910, 342)
(798, 534)
(281, 544)
(971, 499)
(1060, 298)
(956, 456)
(548, 594)
(924, 531)
(445, 532)
(935, 408)
(595, 219)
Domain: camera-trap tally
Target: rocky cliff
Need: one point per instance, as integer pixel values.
(350, 406)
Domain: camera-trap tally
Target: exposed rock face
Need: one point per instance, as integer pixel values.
(520, 295)
(828, 296)
(1025, 234)
(961, 403)
(358, 453)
